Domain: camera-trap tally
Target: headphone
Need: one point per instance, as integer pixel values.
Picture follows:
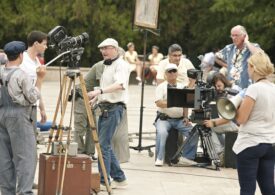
(109, 61)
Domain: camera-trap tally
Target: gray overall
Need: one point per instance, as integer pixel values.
(17, 145)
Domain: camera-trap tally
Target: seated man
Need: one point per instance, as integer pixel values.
(173, 117)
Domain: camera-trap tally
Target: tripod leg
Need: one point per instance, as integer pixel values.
(68, 137)
(64, 80)
(193, 134)
(59, 136)
(59, 132)
(211, 150)
(94, 132)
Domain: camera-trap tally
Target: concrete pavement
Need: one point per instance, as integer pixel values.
(142, 176)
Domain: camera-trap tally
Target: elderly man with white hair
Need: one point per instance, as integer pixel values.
(111, 98)
(234, 56)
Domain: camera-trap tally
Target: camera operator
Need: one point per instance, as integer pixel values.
(183, 64)
(112, 96)
(221, 83)
(168, 118)
(17, 138)
(256, 116)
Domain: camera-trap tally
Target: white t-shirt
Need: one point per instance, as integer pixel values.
(161, 94)
(132, 57)
(29, 66)
(183, 66)
(117, 72)
(260, 127)
(155, 59)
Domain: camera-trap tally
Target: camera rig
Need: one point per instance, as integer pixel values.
(205, 93)
(199, 99)
(70, 48)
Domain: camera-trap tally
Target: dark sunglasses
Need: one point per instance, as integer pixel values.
(173, 70)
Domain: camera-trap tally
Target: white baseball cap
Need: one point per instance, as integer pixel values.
(171, 67)
(108, 42)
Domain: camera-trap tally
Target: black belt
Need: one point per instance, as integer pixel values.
(109, 106)
(163, 116)
(174, 118)
(108, 103)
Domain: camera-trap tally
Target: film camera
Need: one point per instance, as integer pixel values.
(199, 98)
(71, 46)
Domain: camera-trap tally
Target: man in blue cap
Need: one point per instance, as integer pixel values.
(17, 139)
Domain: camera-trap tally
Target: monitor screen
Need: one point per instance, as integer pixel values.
(180, 97)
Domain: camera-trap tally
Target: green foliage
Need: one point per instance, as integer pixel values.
(197, 25)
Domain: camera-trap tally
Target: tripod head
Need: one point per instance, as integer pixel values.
(70, 47)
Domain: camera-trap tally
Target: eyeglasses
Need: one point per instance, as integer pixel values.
(172, 71)
(235, 35)
(105, 48)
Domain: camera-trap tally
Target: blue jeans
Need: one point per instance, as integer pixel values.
(164, 126)
(256, 164)
(106, 129)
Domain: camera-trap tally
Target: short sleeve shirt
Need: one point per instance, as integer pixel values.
(118, 72)
(236, 64)
(161, 94)
(132, 56)
(155, 59)
(183, 66)
(260, 127)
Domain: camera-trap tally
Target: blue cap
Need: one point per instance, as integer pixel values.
(14, 48)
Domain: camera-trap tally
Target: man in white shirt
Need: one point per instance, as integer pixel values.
(37, 44)
(112, 97)
(183, 64)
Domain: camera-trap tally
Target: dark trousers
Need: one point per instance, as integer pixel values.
(256, 164)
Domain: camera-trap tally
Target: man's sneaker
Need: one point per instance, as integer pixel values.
(159, 163)
(118, 184)
(104, 188)
(93, 157)
(186, 162)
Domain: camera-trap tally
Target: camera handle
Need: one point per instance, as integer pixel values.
(59, 56)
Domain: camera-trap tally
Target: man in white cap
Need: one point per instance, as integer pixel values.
(111, 97)
(173, 117)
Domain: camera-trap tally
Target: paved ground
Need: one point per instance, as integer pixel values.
(143, 177)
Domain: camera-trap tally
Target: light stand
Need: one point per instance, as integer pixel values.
(139, 147)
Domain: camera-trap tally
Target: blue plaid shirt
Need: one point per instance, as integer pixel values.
(236, 64)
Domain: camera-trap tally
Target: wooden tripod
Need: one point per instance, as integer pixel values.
(63, 98)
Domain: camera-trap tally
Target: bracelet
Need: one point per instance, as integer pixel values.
(214, 123)
(101, 91)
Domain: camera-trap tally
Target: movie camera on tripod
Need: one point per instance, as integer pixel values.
(199, 98)
(65, 44)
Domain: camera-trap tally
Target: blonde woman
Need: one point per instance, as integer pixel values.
(256, 116)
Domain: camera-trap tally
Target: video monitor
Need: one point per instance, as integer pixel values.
(180, 97)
